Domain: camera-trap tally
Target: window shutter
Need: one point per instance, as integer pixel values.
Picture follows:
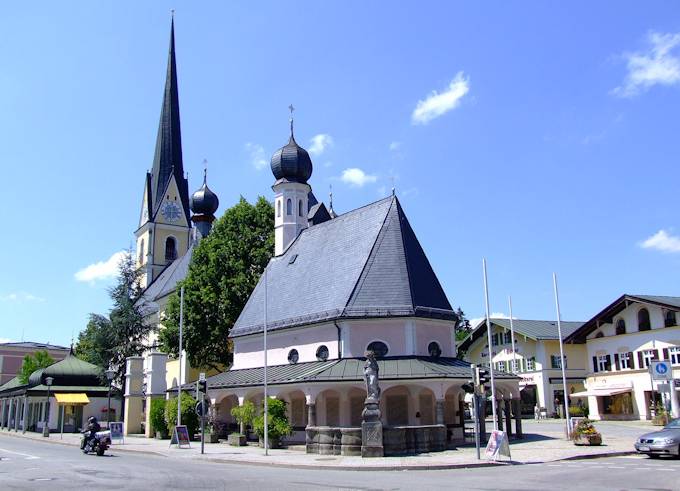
(631, 362)
(665, 354)
(595, 364)
(616, 362)
(609, 362)
(655, 354)
(641, 363)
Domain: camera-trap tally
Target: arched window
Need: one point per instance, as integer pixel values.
(379, 348)
(620, 327)
(278, 208)
(300, 208)
(669, 319)
(434, 349)
(289, 207)
(643, 320)
(293, 356)
(141, 251)
(170, 249)
(322, 353)
(599, 335)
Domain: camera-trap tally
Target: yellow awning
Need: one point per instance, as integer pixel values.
(72, 399)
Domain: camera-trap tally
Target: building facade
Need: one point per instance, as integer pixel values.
(12, 356)
(536, 359)
(621, 341)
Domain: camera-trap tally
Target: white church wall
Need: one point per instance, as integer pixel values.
(440, 332)
(392, 332)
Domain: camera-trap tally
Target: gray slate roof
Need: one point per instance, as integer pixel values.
(346, 369)
(364, 263)
(34, 345)
(534, 329)
(166, 282)
(659, 299)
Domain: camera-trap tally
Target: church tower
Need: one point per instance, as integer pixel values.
(164, 227)
(292, 168)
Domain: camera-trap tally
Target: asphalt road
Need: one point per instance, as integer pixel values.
(26, 464)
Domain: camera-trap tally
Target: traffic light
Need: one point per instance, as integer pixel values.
(483, 377)
(203, 386)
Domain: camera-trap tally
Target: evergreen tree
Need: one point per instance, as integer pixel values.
(224, 270)
(96, 344)
(462, 326)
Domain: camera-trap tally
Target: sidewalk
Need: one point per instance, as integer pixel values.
(544, 442)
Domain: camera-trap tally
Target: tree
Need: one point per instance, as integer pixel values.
(108, 342)
(31, 363)
(462, 326)
(189, 416)
(224, 270)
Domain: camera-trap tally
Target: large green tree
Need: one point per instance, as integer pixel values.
(108, 341)
(224, 270)
(36, 361)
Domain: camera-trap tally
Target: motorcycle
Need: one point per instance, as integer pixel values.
(98, 444)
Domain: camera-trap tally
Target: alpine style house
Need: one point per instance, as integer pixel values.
(340, 285)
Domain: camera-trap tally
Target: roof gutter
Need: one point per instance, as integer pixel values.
(339, 339)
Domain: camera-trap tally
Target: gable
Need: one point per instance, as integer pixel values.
(171, 210)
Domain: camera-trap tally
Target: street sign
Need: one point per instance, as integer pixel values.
(661, 370)
(180, 437)
(202, 407)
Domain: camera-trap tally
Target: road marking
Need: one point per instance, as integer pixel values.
(615, 467)
(28, 456)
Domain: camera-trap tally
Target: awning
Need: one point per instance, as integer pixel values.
(600, 392)
(72, 399)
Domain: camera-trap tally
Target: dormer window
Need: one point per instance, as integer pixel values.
(669, 319)
(643, 320)
(620, 327)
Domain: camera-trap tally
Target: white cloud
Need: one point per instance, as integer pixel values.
(655, 66)
(256, 155)
(21, 297)
(439, 103)
(494, 315)
(5, 340)
(320, 143)
(102, 270)
(394, 146)
(662, 241)
(356, 177)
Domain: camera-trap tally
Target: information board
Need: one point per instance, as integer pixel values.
(116, 430)
(498, 445)
(180, 437)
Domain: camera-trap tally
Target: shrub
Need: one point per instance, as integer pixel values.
(578, 411)
(157, 416)
(244, 415)
(277, 423)
(189, 416)
(585, 428)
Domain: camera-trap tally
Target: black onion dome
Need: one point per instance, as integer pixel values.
(292, 163)
(204, 201)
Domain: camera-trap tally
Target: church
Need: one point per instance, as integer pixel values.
(338, 285)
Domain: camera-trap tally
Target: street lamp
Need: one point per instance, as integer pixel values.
(46, 427)
(110, 373)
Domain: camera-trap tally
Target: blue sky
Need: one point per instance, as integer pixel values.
(541, 136)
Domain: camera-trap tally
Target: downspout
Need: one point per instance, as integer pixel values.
(339, 339)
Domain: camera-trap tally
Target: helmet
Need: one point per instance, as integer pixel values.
(92, 420)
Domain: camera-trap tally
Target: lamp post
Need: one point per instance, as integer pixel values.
(46, 427)
(110, 373)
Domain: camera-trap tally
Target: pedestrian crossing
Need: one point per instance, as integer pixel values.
(636, 462)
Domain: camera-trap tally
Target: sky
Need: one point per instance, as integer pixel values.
(543, 136)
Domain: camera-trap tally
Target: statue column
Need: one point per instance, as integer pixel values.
(508, 417)
(517, 409)
(371, 425)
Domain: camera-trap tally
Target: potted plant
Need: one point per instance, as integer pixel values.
(584, 433)
(244, 416)
(660, 417)
(159, 426)
(277, 423)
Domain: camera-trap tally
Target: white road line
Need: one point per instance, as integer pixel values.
(615, 467)
(28, 456)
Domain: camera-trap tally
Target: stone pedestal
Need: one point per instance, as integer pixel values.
(371, 430)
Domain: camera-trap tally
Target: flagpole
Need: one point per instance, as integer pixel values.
(179, 383)
(562, 363)
(488, 334)
(512, 336)
(266, 397)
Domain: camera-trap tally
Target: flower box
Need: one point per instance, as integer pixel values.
(588, 439)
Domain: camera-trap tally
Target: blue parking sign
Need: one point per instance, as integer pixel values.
(661, 370)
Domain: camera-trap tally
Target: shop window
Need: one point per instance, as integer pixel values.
(379, 348)
(293, 356)
(620, 327)
(434, 349)
(643, 320)
(669, 319)
(674, 355)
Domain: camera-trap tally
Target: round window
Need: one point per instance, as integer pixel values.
(378, 347)
(322, 353)
(434, 349)
(293, 356)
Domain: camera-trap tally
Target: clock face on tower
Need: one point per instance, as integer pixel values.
(171, 211)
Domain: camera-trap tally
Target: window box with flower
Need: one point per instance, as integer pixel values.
(584, 433)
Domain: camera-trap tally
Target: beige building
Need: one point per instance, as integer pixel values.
(536, 358)
(621, 341)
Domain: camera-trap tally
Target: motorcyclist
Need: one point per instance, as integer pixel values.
(92, 428)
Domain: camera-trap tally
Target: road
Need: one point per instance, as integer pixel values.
(26, 464)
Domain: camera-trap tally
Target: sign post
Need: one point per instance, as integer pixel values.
(116, 428)
(660, 370)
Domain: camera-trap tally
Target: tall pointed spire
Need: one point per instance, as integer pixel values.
(168, 156)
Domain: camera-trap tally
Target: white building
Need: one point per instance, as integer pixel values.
(536, 358)
(621, 342)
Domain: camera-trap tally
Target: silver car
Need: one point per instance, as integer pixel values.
(662, 442)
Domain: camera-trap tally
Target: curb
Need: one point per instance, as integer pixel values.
(619, 453)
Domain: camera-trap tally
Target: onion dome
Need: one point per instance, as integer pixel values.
(204, 201)
(292, 162)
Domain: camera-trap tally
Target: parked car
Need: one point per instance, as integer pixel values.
(662, 442)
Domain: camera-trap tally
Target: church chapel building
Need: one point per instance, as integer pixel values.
(340, 285)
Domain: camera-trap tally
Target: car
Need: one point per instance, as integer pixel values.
(662, 442)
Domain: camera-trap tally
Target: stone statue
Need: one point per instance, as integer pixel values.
(371, 377)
